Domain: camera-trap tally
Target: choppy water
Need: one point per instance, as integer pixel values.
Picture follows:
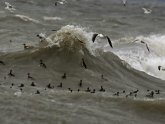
(128, 66)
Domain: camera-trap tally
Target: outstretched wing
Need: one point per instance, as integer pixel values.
(109, 41)
(94, 37)
(147, 48)
(144, 9)
(147, 11)
(124, 1)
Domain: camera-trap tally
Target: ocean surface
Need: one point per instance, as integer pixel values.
(133, 87)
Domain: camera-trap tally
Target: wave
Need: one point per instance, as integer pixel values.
(139, 58)
(71, 43)
(72, 38)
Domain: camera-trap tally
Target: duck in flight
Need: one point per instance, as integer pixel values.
(101, 36)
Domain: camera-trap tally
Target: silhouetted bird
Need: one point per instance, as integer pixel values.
(93, 91)
(102, 89)
(30, 77)
(84, 64)
(80, 84)
(151, 95)
(88, 90)
(11, 73)
(146, 45)
(49, 86)
(157, 91)
(60, 85)
(21, 85)
(37, 92)
(136, 91)
(42, 64)
(116, 94)
(12, 85)
(64, 76)
(33, 84)
(70, 89)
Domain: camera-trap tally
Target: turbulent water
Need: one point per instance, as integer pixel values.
(68, 29)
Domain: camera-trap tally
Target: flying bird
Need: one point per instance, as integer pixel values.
(101, 36)
(146, 45)
(124, 2)
(60, 2)
(9, 7)
(147, 48)
(147, 11)
(143, 43)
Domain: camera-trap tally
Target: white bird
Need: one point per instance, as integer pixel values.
(147, 11)
(60, 2)
(124, 2)
(9, 7)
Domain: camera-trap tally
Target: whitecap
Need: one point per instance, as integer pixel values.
(26, 18)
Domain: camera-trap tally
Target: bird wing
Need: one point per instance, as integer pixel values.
(145, 10)
(7, 4)
(109, 41)
(147, 48)
(142, 42)
(94, 37)
(124, 1)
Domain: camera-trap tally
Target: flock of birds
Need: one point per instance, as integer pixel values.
(146, 10)
(133, 93)
(62, 2)
(42, 37)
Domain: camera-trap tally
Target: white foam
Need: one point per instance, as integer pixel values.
(46, 18)
(76, 32)
(26, 18)
(139, 58)
(18, 93)
(135, 53)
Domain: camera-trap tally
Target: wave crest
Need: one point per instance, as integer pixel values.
(72, 38)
